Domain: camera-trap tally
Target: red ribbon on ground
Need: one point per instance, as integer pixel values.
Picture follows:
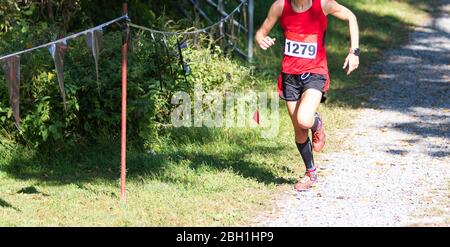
(256, 117)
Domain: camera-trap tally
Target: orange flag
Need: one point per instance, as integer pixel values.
(256, 117)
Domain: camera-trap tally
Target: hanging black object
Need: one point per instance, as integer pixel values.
(186, 69)
(157, 59)
(94, 41)
(57, 51)
(11, 69)
(169, 58)
(183, 44)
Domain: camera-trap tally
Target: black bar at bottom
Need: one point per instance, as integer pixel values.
(222, 236)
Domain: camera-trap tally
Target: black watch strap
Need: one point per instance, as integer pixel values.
(355, 51)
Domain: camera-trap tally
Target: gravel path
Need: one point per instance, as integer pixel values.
(394, 168)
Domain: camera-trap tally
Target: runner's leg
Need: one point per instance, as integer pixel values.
(302, 113)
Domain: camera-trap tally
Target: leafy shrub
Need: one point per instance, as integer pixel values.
(93, 112)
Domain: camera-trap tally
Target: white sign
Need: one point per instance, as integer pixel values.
(300, 49)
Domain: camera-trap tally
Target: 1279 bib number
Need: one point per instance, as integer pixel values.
(300, 49)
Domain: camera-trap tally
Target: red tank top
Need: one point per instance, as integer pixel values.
(305, 34)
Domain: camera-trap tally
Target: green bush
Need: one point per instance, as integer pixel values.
(93, 111)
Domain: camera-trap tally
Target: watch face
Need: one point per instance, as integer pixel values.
(357, 52)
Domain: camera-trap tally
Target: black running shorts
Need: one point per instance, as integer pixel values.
(291, 87)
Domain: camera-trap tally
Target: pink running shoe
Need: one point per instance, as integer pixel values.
(307, 182)
(319, 136)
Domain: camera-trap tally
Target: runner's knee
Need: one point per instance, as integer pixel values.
(305, 123)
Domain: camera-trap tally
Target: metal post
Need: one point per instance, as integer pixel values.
(220, 8)
(123, 146)
(251, 11)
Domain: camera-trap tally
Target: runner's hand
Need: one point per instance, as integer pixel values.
(266, 43)
(352, 62)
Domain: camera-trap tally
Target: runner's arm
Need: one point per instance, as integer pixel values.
(333, 8)
(274, 14)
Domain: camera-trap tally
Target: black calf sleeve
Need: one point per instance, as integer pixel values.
(316, 123)
(305, 150)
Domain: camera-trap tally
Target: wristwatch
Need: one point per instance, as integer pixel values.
(355, 51)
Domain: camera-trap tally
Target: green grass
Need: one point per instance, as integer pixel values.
(201, 177)
(216, 178)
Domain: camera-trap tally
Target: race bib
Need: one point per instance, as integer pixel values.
(301, 45)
